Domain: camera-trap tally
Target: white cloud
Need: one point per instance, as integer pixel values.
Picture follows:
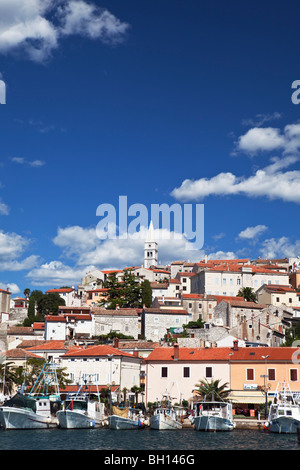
(12, 247)
(268, 182)
(36, 27)
(4, 209)
(22, 161)
(57, 274)
(13, 288)
(266, 139)
(280, 248)
(252, 232)
(261, 119)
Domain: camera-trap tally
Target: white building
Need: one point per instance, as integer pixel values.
(68, 326)
(156, 322)
(69, 295)
(107, 364)
(228, 279)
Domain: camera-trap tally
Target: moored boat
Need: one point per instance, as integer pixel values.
(37, 410)
(284, 413)
(126, 418)
(165, 418)
(213, 416)
(80, 411)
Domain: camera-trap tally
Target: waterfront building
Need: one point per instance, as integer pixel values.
(250, 372)
(107, 364)
(68, 326)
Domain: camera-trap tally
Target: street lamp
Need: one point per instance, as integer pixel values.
(265, 388)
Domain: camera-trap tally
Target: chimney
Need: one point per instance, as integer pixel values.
(235, 345)
(116, 343)
(135, 352)
(176, 351)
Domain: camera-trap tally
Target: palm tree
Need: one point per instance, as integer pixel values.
(136, 390)
(8, 377)
(248, 294)
(212, 391)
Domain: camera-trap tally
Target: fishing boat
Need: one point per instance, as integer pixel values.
(79, 411)
(213, 416)
(284, 413)
(126, 418)
(165, 418)
(38, 409)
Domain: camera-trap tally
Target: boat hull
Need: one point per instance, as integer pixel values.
(17, 418)
(164, 422)
(284, 425)
(70, 419)
(212, 423)
(119, 422)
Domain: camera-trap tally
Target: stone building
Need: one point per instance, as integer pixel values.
(122, 320)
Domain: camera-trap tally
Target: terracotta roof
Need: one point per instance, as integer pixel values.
(278, 288)
(177, 262)
(64, 318)
(186, 274)
(91, 388)
(19, 353)
(96, 351)
(58, 345)
(137, 345)
(243, 304)
(5, 291)
(159, 285)
(166, 311)
(20, 330)
(67, 290)
(174, 281)
(122, 312)
(164, 354)
(218, 298)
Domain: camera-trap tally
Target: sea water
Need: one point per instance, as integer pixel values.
(105, 439)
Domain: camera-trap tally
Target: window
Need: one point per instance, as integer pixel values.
(271, 374)
(290, 300)
(250, 374)
(238, 281)
(190, 305)
(184, 279)
(224, 281)
(277, 299)
(200, 306)
(186, 372)
(164, 372)
(294, 375)
(208, 372)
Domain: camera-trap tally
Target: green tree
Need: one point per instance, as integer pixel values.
(136, 390)
(114, 292)
(35, 296)
(248, 294)
(49, 303)
(146, 293)
(132, 291)
(211, 391)
(27, 292)
(8, 376)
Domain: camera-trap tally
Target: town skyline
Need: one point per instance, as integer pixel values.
(163, 103)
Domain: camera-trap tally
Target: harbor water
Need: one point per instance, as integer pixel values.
(105, 439)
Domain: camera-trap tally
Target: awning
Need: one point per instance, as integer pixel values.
(247, 396)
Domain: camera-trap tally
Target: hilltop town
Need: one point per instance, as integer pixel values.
(232, 320)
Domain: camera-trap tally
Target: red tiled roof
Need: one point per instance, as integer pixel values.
(67, 317)
(166, 311)
(91, 388)
(218, 298)
(5, 291)
(125, 312)
(96, 351)
(164, 354)
(278, 288)
(58, 345)
(19, 353)
(59, 290)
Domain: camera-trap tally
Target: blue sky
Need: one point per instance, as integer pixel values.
(162, 101)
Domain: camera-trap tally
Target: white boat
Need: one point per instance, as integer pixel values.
(80, 412)
(37, 410)
(126, 418)
(165, 418)
(213, 416)
(284, 413)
